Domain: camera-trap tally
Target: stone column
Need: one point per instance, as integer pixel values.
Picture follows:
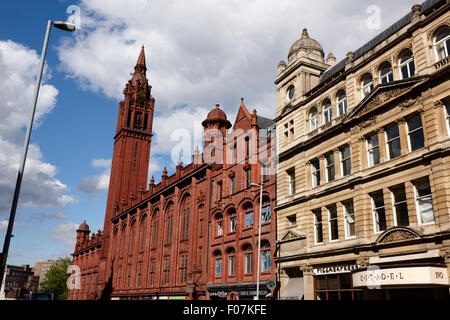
(402, 131)
(337, 163)
(308, 282)
(322, 165)
(382, 145)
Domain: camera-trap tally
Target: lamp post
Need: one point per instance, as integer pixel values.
(3, 256)
(259, 237)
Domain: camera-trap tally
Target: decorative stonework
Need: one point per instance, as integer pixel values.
(409, 102)
(201, 197)
(383, 97)
(363, 263)
(398, 234)
(368, 123)
(308, 269)
(289, 236)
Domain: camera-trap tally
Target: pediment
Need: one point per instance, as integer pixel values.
(398, 234)
(384, 94)
(286, 109)
(290, 235)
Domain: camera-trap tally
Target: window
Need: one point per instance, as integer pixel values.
(265, 212)
(346, 165)
(442, 43)
(248, 177)
(247, 146)
(447, 115)
(248, 260)
(289, 129)
(152, 272)
(416, 139)
(231, 262)
(349, 219)
(122, 241)
(233, 221)
(219, 223)
(291, 181)
(342, 102)
(379, 214)
(218, 265)
(166, 270)
(183, 268)
(265, 257)
(155, 230)
(367, 85)
(406, 63)
(318, 235)
(292, 220)
(393, 142)
(313, 119)
(139, 276)
(219, 190)
(327, 111)
(334, 287)
(290, 92)
(265, 170)
(232, 185)
(132, 244)
(249, 217)
(185, 219)
(142, 234)
(329, 158)
(333, 222)
(315, 169)
(424, 201)
(386, 73)
(373, 150)
(169, 224)
(400, 206)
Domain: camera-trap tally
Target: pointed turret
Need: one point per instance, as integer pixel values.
(141, 66)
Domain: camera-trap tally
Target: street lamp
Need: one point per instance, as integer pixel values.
(66, 26)
(259, 237)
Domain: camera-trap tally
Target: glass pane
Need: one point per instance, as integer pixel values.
(372, 141)
(423, 187)
(392, 132)
(320, 283)
(346, 166)
(417, 140)
(426, 209)
(394, 149)
(405, 73)
(414, 122)
(332, 282)
(443, 34)
(401, 211)
(406, 57)
(345, 152)
(346, 281)
(412, 68)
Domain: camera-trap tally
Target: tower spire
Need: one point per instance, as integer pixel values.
(140, 64)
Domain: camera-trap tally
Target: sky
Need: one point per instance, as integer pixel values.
(199, 53)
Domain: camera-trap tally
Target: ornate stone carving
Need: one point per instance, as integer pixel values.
(398, 235)
(201, 197)
(409, 102)
(363, 262)
(306, 268)
(383, 97)
(365, 124)
(290, 235)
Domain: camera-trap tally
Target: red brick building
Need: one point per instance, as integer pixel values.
(194, 235)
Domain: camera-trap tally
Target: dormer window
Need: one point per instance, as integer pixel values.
(367, 85)
(406, 63)
(386, 73)
(442, 43)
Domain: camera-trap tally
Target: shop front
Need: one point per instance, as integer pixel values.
(239, 291)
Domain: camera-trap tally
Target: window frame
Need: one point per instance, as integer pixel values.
(313, 119)
(396, 204)
(327, 111)
(369, 149)
(344, 160)
(417, 198)
(341, 102)
(388, 141)
(442, 41)
(330, 166)
(333, 220)
(346, 222)
(291, 181)
(318, 213)
(369, 85)
(388, 75)
(315, 173)
(406, 63)
(410, 132)
(375, 215)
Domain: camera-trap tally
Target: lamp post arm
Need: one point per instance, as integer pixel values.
(12, 215)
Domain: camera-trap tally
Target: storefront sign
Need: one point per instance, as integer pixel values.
(331, 269)
(376, 278)
(241, 293)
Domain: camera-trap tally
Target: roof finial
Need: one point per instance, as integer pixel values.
(305, 33)
(141, 60)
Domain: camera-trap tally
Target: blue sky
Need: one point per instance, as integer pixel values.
(198, 55)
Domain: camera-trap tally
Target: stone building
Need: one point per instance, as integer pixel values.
(194, 235)
(41, 268)
(18, 282)
(363, 182)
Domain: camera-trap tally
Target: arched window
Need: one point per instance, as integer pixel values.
(169, 224)
(231, 262)
(218, 257)
(367, 84)
(313, 119)
(122, 241)
(406, 64)
(327, 111)
(386, 73)
(185, 219)
(342, 102)
(266, 210)
(219, 224)
(248, 259)
(142, 233)
(233, 219)
(154, 229)
(442, 43)
(265, 256)
(248, 212)
(131, 246)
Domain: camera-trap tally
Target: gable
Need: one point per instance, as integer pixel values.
(243, 119)
(384, 94)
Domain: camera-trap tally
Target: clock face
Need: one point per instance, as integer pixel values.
(291, 91)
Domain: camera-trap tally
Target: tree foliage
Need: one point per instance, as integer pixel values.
(56, 279)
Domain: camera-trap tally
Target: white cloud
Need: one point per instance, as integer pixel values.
(97, 183)
(3, 225)
(40, 187)
(65, 232)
